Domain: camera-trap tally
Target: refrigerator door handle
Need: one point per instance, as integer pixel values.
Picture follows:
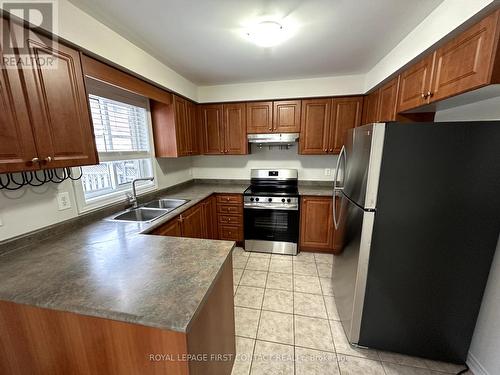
(335, 176)
(335, 188)
(335, 221)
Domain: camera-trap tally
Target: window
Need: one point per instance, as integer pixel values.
(123, 138)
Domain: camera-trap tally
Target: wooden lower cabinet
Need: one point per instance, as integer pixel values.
(217, 217)
(193, 222)
(37, 340)
(316, 224)
(172, 228)
(230, 217)
(210, 216)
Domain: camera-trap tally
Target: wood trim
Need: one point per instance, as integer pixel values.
(165, 132)
(106, 73)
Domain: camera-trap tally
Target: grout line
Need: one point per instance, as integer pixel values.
(260, 314)
(329, 323)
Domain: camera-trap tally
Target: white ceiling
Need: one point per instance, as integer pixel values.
(202, 41)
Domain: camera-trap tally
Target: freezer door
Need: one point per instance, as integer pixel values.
(361, 163)
(351, 265)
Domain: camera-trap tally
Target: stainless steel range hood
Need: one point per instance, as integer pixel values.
(274, 139)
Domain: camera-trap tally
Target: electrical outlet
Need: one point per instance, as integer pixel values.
(328, 172)
(63, 201)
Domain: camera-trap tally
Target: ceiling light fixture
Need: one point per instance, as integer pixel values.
(267, 33)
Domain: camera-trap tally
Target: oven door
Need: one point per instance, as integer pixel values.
(268, 230)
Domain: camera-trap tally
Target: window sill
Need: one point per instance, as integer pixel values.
(111, 199)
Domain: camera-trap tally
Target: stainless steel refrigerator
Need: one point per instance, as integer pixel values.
(419, 221)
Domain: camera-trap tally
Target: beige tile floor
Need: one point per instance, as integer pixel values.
(287, 323)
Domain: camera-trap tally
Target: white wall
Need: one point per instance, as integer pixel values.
(445, 18)
(33, 208)
(299, 88)
(80, 28)
(238, 167)
(484, 355)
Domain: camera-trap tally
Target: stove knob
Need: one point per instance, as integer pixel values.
(283, 200)
(270, 199)
(256, 199)
(288, 200)
(251, 199)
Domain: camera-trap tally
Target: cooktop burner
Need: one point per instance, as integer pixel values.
(273, 182)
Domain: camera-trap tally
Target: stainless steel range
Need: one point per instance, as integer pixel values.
(271, 210)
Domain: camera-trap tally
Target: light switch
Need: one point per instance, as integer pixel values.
(63, 201)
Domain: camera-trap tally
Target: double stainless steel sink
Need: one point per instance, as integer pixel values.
(150, 211)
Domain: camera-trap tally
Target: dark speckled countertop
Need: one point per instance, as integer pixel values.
(115, 270)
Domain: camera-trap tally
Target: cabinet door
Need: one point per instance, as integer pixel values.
(465, 62)
(286, 116)
(316, 229)
(315, 126)
(193, 129)
(193, 222)
(346, 114)
(370, 108)
(209, 206)
(171, 228)
(211, 119)
(182, 132)
(259, 117)
(235, 136)
(414, 84)
(388, 97)
(58, 102)
(17, 145)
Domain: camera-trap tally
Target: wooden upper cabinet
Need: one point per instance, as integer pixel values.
(175, 128)
(194, 131)
(387, 101)
(370, 108)
(181, 122)
(57, 101)
(235, 137)
(346, 114)
(17, 145)
(286, 116)
(211, 122)
(315, 126)
(467, 61)
(415, 84)
(316, 224)
(259, 117)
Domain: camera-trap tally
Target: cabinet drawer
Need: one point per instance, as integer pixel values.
(230, 232)
(230, 219)
(230, 199)
(229, 209)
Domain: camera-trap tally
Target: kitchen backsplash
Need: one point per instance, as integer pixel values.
(238, 166)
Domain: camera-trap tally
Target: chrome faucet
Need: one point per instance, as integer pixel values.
(132, 199)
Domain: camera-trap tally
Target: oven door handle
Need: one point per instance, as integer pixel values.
(256, 206)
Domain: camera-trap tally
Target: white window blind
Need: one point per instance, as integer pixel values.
(122, 135)
(120, 129)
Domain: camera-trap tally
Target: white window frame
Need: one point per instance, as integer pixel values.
(106, 90)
